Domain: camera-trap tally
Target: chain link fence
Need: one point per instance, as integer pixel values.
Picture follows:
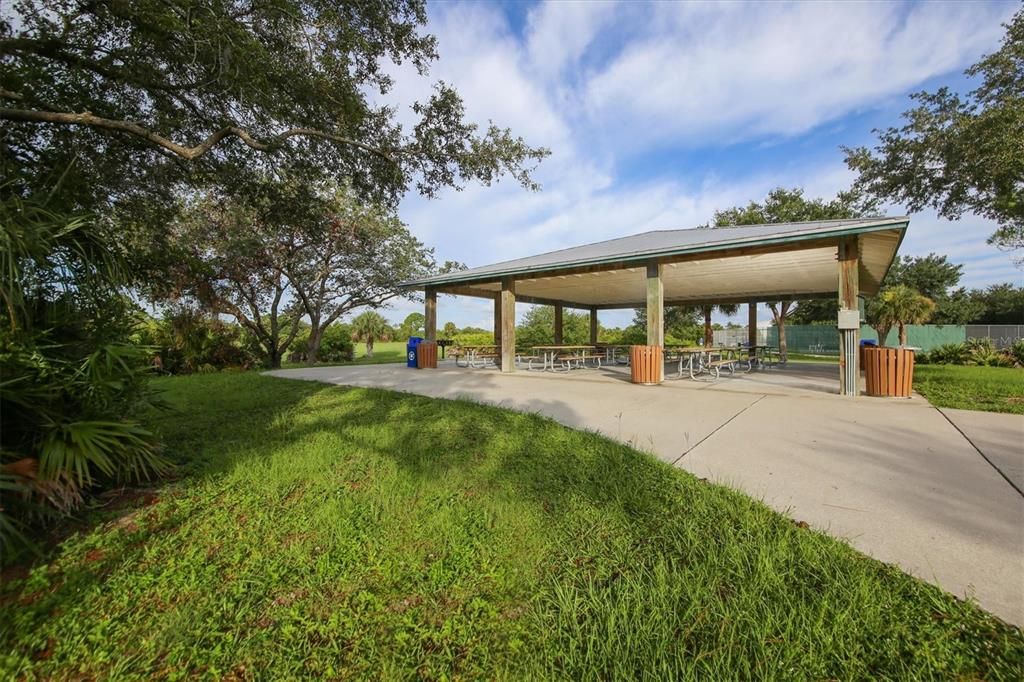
(1002, 335)
(823, 339)
(738, 335)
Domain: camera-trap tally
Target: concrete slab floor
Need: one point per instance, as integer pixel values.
(894, 478)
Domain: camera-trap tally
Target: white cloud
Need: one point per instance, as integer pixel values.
(560, 32)
(743, 70)
(600, 82)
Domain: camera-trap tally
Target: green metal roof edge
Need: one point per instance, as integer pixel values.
(491, 276)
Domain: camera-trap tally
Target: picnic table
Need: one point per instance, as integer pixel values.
(694, 359)
(568, 353)
(611, 352)
(761, 356)
(476, 355)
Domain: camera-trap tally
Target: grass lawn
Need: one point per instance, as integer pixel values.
(383, 351)
(992, 389)
(328, 532)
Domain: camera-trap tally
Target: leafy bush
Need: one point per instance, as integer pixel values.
(1016, 352)
(980, 352)
(632, 334)
(336, 344)
(188, 340)
(984, 353)
(474, 339)
(947, 354)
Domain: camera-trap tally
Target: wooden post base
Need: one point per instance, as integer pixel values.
(646, 364)
(888, 372)
(426, 355)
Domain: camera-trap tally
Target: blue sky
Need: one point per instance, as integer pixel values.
(658, 114)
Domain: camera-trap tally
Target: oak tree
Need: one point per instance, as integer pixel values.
(959, 153)
(135, 100)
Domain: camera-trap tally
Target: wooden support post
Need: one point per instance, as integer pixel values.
(430, 313)
(752, 327)
(558, 324)
(508, 325)
(655, 306)
(593, 326)
(497, 320)
(849, 338)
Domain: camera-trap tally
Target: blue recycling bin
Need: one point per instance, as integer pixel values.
(868, 342)
(410, 351)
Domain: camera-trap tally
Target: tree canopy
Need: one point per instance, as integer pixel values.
(281, 251)
(789, 206)
(538, 327)
(960, 153)
(127, 98)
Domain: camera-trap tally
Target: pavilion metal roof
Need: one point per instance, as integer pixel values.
(665, 243)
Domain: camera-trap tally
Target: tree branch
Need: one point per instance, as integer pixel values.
(189, 153)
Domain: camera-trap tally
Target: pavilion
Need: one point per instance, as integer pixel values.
(741, 264)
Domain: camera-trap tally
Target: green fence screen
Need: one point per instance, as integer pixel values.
(823, 339)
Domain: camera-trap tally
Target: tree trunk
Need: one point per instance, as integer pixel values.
(313, 347)
(783, 352)
(709, 334)
(882, 332)
(903, 334)
(274, 357)
(369, 347)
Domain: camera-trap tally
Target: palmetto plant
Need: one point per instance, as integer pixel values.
(67, 394)
(370, 327)
(899, 306)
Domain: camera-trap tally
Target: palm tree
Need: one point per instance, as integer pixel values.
(899, 306)
(709, 334)
(370, 327)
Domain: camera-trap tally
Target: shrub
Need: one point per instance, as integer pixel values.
(336, 344)
(947, 354)
(1016, 352)
(474, 339)
(188, 339)
(980, 352)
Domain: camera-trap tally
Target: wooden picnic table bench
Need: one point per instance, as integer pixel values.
(576, 355)
(474, 354)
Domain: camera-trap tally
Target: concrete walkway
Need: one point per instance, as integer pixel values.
(998, 437)
(895, 478)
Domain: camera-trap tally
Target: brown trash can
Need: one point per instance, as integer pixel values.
(888, 372)
(646, 364)
(426, 355)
